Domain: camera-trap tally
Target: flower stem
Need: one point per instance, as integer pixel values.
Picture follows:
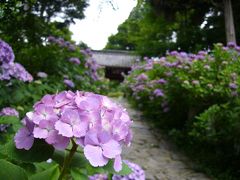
(110, 175)
(67, 160)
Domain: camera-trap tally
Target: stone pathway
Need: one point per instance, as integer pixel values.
(155, 154)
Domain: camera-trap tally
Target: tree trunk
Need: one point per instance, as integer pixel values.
(229, 21)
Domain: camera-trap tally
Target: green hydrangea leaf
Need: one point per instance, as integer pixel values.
(10, 171)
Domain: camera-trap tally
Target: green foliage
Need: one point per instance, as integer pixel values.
(11, 172)
(8, 135)
(32, 155)
(79, 174)
(50, 173)
(29, 22)
(80, 166)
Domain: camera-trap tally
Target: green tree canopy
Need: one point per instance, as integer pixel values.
(31, 21)
(155, 26)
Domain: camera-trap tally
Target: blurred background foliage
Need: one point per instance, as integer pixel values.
(155, 26)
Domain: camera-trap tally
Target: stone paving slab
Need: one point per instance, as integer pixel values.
(155, 154)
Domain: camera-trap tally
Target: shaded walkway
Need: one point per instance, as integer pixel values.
(155, 154)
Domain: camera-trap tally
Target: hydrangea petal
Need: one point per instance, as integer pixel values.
(40, 133)
(91, 138)
(24, 139)
(94, 155)
(64, 129)
(117, 163)
(111, 149)
(80, 130)
(62, 142)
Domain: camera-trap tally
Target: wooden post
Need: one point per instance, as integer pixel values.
(229, 21)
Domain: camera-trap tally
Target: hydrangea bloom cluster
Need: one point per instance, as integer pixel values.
(62, 43)
(93, 121)
(195, 73)
(6, 53)
(74, 60)
(69, 83)
(7, 111)
(158, 92)
(8, 68)
(137, 174)
(92, 65)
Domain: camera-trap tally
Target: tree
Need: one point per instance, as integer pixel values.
(29, 22)
(229, 21)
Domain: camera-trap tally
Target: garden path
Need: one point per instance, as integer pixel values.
(155, 154)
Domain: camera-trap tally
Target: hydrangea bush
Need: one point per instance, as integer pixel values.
(195, 98)
(185, 84)
(76, 57)
(56, 65)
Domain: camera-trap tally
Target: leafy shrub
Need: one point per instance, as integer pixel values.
(195, 97)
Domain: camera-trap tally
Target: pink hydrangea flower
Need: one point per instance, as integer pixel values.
(93, 121)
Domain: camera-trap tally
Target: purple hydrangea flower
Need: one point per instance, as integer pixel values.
(74, 60)
(71, 47)
(237, 48)
(231, 44)
(98, 177)
(225, 48)
(51, 39)
(62, 43)
(9, 69)
(173, 53)
(22, 74)
(93, 121)
(158, 92)
(161, 81)
(142, 77)
(69, 83)
(24, 137)
(8, 111)
(136, 174)
(138, 88)
(92, 65)
(183, 54)
(6, 53)
(202, 53)
(233, 86)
